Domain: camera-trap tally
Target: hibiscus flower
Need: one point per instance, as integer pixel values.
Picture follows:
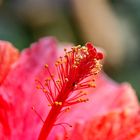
(112, 112)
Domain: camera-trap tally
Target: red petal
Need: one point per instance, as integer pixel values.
(8, 55)
(112, 126)
(4, 108)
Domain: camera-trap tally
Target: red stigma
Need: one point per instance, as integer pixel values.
(89, 46)
(99, 56)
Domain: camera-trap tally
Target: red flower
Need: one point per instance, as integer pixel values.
(112, 107)
(76, 72)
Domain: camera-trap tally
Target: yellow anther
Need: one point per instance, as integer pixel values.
(75, 85)
(67, 109)
(58, 81)
(80, 57)
(84, 48)
(91, 84)
(79, 100)
(36, 80)
(78, 46)
(77, 59)
(66, 79)
(56, 64)
(75, 49)
(64, 60)
(46, 65)
(45, 91)
(48, 79)
(46, 84)
(65, 49)
(74, 66)
(66, 56)
(85, 93)
(93, 79)
(86, 100)
(93, 71)
(49, 105)
(58, 103)
(52, 75)
(82, 100)
(77, 63)
(58, 61)
(38, 87)
(69, 52)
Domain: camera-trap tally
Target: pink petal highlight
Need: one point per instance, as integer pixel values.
(19, 89)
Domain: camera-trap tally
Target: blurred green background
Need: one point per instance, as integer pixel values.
(110, 24)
